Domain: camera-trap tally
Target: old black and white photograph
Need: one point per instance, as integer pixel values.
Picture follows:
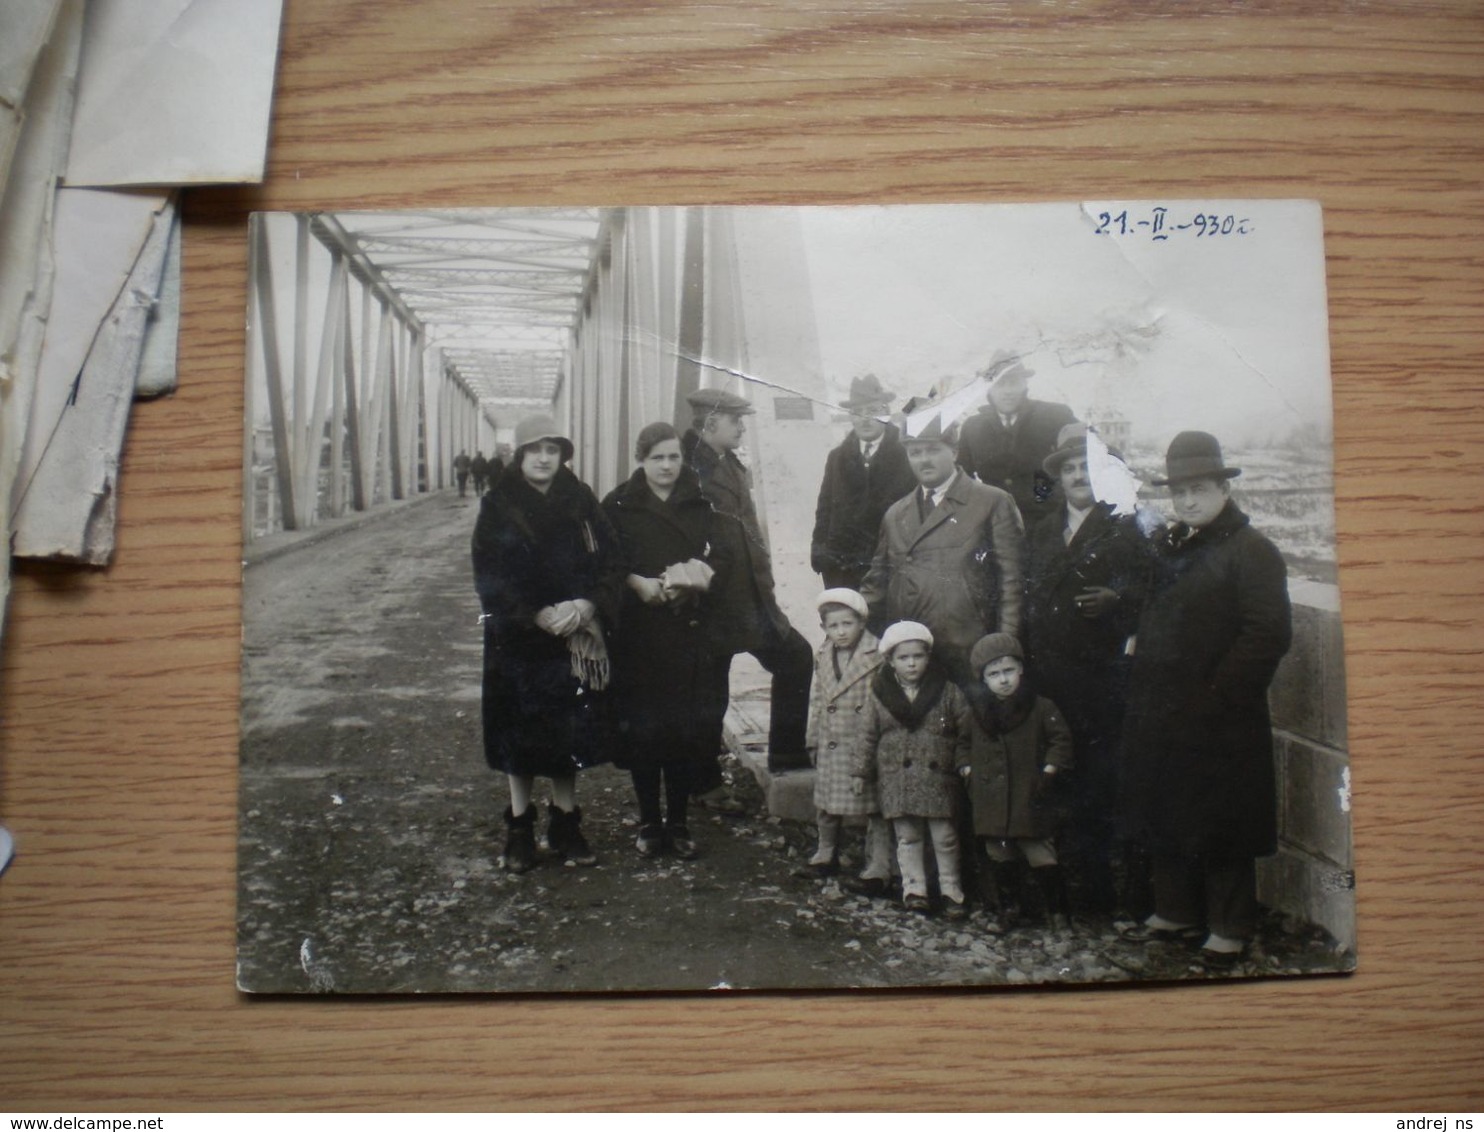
(733, 598)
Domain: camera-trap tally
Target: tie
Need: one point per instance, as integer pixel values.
(925, 505)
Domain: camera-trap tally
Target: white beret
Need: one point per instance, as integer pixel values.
(900, 632)
(842, 596)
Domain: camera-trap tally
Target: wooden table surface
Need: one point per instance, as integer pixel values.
(118, 691)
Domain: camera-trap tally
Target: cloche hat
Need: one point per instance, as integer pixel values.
(542, 427)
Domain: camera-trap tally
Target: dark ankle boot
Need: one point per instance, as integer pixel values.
(564, 835)
(520, 841)
(678, 838)
(1053, 888)
(1006, 882)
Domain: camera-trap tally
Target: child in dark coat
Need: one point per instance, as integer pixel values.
(1020, 745)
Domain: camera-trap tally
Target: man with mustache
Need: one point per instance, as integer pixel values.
(1087, 575)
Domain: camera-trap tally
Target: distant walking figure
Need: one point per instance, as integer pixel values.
(461, 467)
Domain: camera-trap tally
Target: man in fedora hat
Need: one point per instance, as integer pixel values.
(1005, 442)
(1198, 742)
(864, 476)
(949, 553)
(1087, 573)
(746, 614)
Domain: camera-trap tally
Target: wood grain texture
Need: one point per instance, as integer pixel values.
(118, 691)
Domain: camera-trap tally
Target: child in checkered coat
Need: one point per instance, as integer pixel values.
(843, 667)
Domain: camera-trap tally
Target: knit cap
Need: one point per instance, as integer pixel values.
(992, 647)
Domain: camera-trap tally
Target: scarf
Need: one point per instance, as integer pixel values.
(589, 652)
(1000, 717)
(909, 713)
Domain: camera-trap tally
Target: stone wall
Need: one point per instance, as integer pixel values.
(1312, 875)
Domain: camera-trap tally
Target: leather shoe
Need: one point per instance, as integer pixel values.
(915, 903)
(721, 801)
(874, 887)
(780, 762)
(1222, 960)
(1143, 933)
(680, 842)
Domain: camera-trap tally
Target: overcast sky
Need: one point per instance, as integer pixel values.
(1222, 332)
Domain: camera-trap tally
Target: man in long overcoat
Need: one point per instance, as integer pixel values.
(1005, 442)
(1087, 573)
(864, 476)
(746, 616)
(1198, 740)
(948, 555)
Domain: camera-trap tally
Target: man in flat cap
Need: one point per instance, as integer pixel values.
(747, 616)
(1087, 573)
(1004, 443)
(1199, 783)
(949, 553)
(864, 476)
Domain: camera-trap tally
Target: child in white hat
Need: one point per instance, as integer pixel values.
(843, 667)
(917, 734)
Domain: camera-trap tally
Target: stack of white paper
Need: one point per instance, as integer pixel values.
(105, 108)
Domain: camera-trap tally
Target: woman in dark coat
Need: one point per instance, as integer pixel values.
(667, 717)
(1198, 741)
(549, 575)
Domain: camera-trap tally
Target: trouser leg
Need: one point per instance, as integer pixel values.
(647, 791)
(909, 833)
(1138, 896)
(945, 850)
(878, 848)
(1004, 889)
(829, 838)
(678, 789)
(1053, 890)
(1231, 897)
(711, 711)
(790, 661)
(1179, 889)
(1091, 837)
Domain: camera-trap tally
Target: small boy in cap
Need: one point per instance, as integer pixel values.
(918, 729)
(843, 667)
(1020, 745)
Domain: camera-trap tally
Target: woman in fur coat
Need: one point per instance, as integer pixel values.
(548, 574)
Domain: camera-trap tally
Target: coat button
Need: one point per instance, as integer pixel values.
(832, 709)
(832, 745)
(906, 763)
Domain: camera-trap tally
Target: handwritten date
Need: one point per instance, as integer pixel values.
(1159, 224)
